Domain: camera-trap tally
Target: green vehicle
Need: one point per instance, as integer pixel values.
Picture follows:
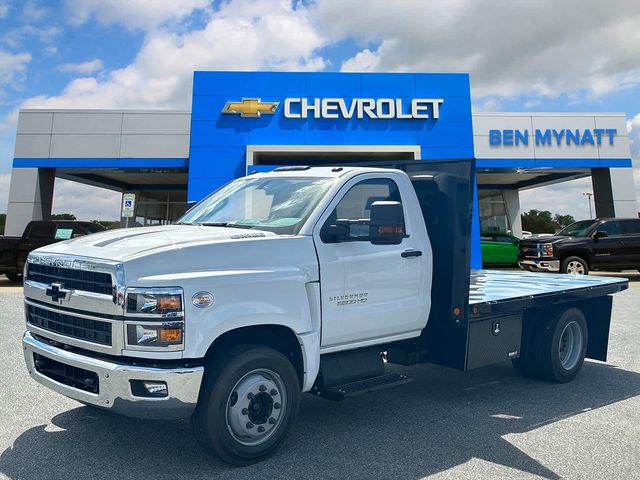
(499, 248)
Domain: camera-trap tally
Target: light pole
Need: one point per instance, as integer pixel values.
(589, 194)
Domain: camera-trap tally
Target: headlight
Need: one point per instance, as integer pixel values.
(155, 301)
(149, 335)
(154, 319)
(547, 249)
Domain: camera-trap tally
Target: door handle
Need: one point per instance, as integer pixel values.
(411, 253)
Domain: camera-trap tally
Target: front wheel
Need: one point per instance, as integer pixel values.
(561, 346)
(14, 276)
(248, 403)
(575, 266)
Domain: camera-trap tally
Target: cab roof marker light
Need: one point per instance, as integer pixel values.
(295, 168)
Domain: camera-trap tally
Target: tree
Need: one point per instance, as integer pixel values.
(537, 221)
(563, 220)
(63, 216)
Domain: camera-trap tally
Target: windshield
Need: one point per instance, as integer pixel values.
(279, 205)
(577, 229)
(93, 227)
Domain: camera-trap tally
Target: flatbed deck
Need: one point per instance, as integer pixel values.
(494, 286)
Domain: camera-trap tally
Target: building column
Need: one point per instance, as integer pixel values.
(614, 192)
(475, 255)
(512, 205)
(30, 198)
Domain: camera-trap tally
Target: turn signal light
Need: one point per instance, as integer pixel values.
(169, 302)
(393, 230)
(170, 335)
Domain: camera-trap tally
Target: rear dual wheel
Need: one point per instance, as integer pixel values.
(248, 402)
(557, 349)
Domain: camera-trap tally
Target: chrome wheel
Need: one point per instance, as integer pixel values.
(570, 348)
(255, 406)
(574, 267)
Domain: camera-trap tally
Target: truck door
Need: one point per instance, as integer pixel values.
(609, 251)
(631, 242)
(370, 292)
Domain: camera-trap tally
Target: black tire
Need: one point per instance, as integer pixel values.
(575, 266)
(548, 359)
(224, 373)
(14, 276)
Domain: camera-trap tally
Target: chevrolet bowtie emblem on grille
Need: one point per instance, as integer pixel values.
(58, 293)
(250, 107)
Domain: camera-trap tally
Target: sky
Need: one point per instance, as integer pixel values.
(538, 56)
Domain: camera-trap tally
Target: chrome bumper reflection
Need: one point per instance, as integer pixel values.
(115, 394)
(540, 265)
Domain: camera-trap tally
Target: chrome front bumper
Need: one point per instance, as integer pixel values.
(540, 265)
(114, 394)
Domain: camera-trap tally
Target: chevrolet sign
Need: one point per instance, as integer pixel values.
(336, 108)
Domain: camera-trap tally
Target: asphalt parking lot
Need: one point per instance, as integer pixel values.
(488, 423)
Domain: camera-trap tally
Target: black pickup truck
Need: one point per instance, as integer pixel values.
(14, 250)
(599, 244)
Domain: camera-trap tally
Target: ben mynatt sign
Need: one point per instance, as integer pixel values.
(552, 136)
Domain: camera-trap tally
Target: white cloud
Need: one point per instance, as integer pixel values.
(12, 69)
(242, 35)
(17, 37)
(540, 48)
(85, 202)
(634, 139)
(84, 68)
(33, 12)
(565, 199)
(487, 104)
(133, 14)
(364, 61)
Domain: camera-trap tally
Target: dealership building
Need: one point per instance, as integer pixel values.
(242, 122)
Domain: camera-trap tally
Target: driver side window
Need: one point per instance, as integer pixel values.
(612, 228)
(356, 205)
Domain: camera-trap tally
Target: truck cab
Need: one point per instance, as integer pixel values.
(297, 280)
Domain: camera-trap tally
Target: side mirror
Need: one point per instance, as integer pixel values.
(386, 226)
(335, 233)
(600, 234)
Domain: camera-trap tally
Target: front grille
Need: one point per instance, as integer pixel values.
(88, 281)
(68, 325)
(530, 252)
(66, 374)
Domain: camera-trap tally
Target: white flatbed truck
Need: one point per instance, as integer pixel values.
(297, 280)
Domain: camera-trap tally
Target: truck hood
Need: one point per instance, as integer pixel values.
(535, 239)
(126, 244)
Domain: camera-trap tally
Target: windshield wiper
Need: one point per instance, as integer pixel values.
(225, 224)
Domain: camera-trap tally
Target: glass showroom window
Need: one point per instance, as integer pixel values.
(493, 213)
